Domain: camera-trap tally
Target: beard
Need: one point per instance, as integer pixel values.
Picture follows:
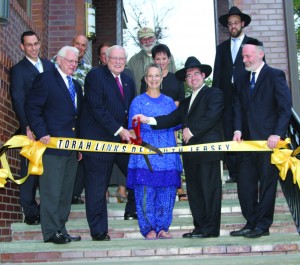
(148, 48)
(237, 33)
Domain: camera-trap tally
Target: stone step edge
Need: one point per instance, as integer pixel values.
(288, 243)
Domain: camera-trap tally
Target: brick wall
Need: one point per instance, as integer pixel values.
(10, 53)
(105, 24)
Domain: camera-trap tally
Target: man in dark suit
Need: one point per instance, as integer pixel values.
(262, 111)
(22, 75)
(108, 95)
(228, 65)
(201, 119)
(53, 107)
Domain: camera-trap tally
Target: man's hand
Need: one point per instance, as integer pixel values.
(30, 134)
(186, 135)
(125, 135)
(237, 136)
(45, 139)
(79, 156)
(143, 118)
(273, 141)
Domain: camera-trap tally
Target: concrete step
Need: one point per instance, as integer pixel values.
(123, 250)
(181, 209)
(283, 223)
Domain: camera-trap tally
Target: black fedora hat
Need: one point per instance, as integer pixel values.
(234, 11)
(193, 62)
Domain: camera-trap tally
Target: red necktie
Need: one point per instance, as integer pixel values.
(120, 86)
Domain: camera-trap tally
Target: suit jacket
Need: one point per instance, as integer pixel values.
(22, 75)
(50, 110)
(224, 69)
(268, 110)
(203, 119)
(104, 109)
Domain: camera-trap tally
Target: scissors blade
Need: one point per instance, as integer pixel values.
(151, 147)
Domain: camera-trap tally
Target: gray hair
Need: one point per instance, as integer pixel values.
(116, 47)
(155, 65)
(63, 51)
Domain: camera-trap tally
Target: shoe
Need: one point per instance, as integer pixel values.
(183, 197)
(151, 235)
(101, 237)
(77, 200)
(240, 232)
(58, 238)
(205, 235)
(72, 238)
(34, 220)
(130, 216)
(120, 198)
(193, 234)
(163, 235)
(257, 232)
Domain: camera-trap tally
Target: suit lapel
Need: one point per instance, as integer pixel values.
(30, 66)
(197, 99)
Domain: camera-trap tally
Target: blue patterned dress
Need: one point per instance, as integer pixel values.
(155, 192)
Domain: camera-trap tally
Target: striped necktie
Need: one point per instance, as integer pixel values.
(71, 90)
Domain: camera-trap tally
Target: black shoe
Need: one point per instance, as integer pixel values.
(77, 200)
(130, 216)
(257, 232)
(101, 237)
(72, 238)
(240, 232)
(205, 235)
(193, 234)
(58, 238)
(33, 220)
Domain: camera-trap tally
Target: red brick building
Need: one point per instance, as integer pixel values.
(57, 21)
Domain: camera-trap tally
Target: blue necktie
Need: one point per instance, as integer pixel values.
(252, 83)
(71, 90)
(37, 66)
(234, 50)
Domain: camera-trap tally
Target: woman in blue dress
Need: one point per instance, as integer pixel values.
(155, 191)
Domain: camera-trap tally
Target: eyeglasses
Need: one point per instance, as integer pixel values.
(196, 74)
(233, 24)
(30, 45)
(70, 61)
(116, 59)
(153, 76)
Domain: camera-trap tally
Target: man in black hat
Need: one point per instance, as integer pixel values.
(228, 65)
(201, 119)
(262, 111)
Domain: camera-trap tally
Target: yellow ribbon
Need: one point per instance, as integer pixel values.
(33, 150)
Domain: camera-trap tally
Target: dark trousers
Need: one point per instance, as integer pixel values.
(28, 192)
(204, 188)
(257, 185)
(98, 171)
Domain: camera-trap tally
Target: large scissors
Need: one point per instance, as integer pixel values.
(136, 126)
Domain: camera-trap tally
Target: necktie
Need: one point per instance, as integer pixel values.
(37, 66)
(234, 49)
(71, 90)
(120, 86)
(252, 83)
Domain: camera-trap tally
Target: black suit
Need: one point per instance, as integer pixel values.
(104, 112)
(266, 112)
(224, 71)
(22, 75)
(50, 111)
(202, 169)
